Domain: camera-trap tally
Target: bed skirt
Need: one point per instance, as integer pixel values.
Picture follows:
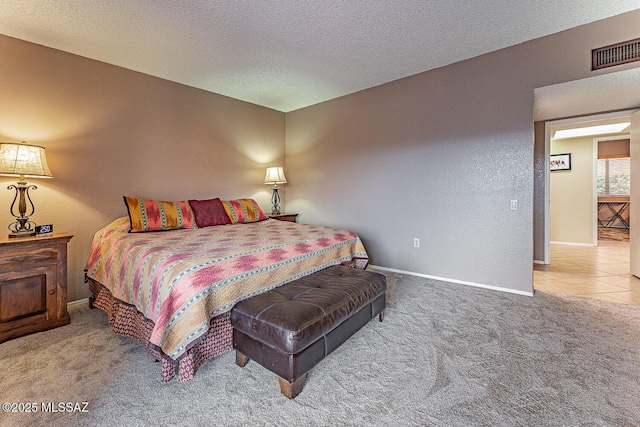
(127, 321)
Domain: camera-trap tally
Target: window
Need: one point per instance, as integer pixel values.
(614, 176)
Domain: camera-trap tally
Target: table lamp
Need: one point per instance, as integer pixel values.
(24, 161)
(275, 176)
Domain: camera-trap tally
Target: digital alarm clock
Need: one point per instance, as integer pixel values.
(43, 229)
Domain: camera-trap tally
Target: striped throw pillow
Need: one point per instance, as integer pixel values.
(243, 211)
(154, 215)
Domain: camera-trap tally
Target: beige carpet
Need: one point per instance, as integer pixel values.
(446, 355)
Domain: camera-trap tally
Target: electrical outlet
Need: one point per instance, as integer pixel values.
(514, 205)
(416, 243)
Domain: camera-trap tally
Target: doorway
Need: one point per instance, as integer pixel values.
(591, 192)
(577, 262)
(613, 91)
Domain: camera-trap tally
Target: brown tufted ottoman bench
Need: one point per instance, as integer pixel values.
(289, 329)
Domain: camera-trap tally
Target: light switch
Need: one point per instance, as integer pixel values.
(514, 205)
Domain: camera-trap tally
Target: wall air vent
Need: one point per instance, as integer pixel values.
(615, 54)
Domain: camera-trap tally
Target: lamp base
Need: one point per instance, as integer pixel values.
(275, 200)
(16, 234)
(22, 227)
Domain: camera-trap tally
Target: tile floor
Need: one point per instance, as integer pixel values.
(595, 272)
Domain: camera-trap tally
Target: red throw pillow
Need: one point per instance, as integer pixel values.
(209, 212)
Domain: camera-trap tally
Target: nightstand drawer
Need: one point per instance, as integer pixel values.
(31, 257)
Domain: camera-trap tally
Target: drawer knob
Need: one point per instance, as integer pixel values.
(52, 291)
(21, 258)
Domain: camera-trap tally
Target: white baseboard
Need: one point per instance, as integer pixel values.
(459, 282)
(572, 244)
(536, 261)
(75, 303)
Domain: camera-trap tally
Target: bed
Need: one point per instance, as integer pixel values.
(173, 290)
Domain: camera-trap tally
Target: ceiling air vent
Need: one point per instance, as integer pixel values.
(615, 54)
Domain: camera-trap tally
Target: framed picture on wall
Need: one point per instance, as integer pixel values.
(560, 162)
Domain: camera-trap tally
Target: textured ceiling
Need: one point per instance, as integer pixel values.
(290, 54)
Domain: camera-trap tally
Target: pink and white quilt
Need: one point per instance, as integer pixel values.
(180, 279)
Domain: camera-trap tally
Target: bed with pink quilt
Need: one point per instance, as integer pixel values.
(173, 290)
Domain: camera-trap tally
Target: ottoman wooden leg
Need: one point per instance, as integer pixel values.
(381, 316)
(241, 359)
(293, 389)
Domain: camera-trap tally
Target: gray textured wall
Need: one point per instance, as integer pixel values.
(438, 156)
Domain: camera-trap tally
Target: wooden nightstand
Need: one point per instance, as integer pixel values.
(284, 217)
(33, 284)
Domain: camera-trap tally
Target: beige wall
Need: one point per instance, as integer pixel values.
(572, 208)
(438, 156)
(111, 132)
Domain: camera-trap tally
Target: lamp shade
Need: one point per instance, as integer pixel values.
(20, 159)
(275, 175)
